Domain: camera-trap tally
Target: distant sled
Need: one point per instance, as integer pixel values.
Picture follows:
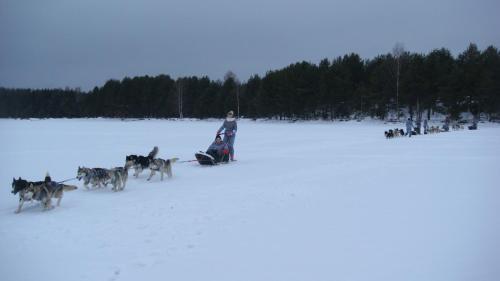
(473, 126)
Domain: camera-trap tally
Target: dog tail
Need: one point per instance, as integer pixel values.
(173, 160)
(153, 153)
(67, 187)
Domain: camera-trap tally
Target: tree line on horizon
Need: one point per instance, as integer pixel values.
(344, 87)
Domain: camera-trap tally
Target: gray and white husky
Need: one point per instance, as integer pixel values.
(162, 166)
(94, 176)
(118, 177)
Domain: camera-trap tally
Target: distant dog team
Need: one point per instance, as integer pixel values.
(427, 130)
(394, 133)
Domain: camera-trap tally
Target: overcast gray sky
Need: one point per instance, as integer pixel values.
(83, 43)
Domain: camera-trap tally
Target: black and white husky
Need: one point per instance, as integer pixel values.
(39, 191)
(139, 163)
(118, 177)
(95, 176)
(162, 166)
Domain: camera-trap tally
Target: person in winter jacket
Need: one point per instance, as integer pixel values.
(419, 125)
(230, 127)
(409, 127)
(219, 150)
(474, 123)
(446, 126)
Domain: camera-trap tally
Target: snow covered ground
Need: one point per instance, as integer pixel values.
(304, 201)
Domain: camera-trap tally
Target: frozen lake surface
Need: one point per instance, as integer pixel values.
(304, 201)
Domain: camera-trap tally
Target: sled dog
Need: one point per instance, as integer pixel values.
(118, 177)
(389, 134)
(94, 176)
(434, 130)
(38, 191)
(162, 166)
(139, 163)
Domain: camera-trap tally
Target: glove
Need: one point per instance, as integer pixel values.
(225, 151)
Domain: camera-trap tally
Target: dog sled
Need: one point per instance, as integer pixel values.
(217, 152)
(206, 159)
(473, 126)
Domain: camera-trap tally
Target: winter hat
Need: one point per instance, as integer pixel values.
(47, 177)
(218, 137)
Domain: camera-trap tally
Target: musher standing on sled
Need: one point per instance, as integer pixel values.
(409, 127)
(230, 127)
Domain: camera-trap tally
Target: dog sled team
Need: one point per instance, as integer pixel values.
(220, 151)
(412, 130)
